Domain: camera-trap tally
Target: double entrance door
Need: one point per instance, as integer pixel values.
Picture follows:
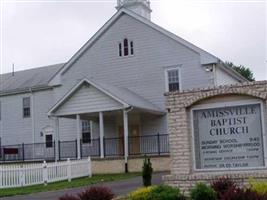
(133, 141)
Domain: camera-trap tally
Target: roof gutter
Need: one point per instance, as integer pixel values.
(227, 69)
(25, 90)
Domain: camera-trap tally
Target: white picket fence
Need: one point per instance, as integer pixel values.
(18, 175)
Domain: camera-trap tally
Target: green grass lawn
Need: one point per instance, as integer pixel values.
(65, 184)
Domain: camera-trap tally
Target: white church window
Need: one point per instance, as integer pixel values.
(172, 79)
(26, 107)
(132, 47)
(126, 48)
(86, 131)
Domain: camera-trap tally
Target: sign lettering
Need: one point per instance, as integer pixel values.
(228, 137)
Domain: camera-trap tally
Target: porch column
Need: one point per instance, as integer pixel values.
(126, 153)
(101, 135)
(78, 124)
(56, 138)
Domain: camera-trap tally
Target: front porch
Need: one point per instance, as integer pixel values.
(108, 139)
(110, 122)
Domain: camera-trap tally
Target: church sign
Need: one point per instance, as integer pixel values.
(228, 137)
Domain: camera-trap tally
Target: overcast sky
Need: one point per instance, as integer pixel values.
(38, 33)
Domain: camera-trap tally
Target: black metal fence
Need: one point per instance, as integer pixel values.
(113, 147)
(27, 152)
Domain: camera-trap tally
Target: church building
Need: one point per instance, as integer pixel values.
(108, 99)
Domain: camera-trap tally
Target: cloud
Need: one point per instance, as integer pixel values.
(42, 33)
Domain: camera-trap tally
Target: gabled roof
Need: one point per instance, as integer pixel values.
(129, 97)
(122, 95)
(27, 79)
(206, 58)
(41, 78)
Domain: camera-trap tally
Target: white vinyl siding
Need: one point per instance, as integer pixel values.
(142, 73)
(14, 129)
(88, 99)
(222, 78)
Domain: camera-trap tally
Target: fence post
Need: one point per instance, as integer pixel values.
(104, 147)
(59, 157)
(76, 151)
(69, 169)
(45, 173)
(130, 144)
(158, 144)
(123, 150)
(99, 147)
(81, 148)
(1, 177)
(54, 147)
(90, 167)
(23, 158)
(21, 175)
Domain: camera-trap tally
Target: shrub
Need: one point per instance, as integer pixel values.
(97, 193)
(201, 191)
(164, 192)
(257, 186)
(242, 194)
(68, 197)
(221, 185)
(141, 194)
(161, 192)
(147, 172)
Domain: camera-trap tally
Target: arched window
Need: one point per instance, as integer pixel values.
(126, 47)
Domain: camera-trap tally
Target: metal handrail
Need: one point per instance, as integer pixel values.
(138, 145)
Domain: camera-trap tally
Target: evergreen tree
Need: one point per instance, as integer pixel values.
(244, 71)
(147, 172)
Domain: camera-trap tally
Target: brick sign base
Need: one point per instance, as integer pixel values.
(179, 104)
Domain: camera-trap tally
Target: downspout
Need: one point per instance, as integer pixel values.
(33, 120)
(129, 109)
(126, 111)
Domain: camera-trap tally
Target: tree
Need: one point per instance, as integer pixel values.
(147, 172)
(244, 71)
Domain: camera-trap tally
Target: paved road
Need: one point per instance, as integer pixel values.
(118, 187)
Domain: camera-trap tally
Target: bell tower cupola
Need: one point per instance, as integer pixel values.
(140, 7)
